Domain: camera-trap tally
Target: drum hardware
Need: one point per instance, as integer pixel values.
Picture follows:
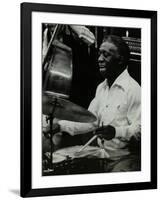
(69, 161)
(50, 118)
(54, 106)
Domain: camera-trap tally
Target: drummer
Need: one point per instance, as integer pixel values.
(117, 106)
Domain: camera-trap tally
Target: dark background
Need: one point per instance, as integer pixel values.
(86, 75)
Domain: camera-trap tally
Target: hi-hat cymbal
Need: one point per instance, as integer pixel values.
(65, 110)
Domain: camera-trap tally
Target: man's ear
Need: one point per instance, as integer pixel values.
(121, 59)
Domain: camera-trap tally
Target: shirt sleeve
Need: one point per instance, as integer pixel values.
(75, 128)
(133, 116)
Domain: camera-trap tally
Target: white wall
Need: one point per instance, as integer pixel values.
(9, 101)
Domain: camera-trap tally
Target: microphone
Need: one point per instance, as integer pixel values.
(106, 132)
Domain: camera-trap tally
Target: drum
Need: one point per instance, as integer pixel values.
(71, 160)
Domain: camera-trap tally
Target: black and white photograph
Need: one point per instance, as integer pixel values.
(89, 106)
(91, 99)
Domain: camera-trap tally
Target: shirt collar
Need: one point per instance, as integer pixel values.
(122, 80)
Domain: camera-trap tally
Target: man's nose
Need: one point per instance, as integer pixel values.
(100, 58)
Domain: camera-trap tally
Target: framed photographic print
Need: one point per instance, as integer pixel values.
(88, 99)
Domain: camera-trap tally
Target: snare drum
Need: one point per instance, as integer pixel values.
(71, 160)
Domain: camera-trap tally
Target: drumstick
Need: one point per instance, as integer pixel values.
(89, 142)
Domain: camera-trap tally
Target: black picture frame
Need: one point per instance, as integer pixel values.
(26, 100)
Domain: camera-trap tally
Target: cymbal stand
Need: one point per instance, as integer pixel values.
(51, 118)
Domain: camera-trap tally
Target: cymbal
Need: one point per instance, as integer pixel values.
(65, 110)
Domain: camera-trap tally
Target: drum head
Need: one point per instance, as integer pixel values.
(57, 158)
(71, 160)
(74, 152)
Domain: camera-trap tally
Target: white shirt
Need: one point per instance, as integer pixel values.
(119, 106)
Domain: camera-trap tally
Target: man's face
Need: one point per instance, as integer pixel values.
(109, 58)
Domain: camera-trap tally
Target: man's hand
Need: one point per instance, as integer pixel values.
(106, 132)
(84, 33)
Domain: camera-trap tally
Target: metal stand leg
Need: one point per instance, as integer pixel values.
(51, 118)
(51, 136)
